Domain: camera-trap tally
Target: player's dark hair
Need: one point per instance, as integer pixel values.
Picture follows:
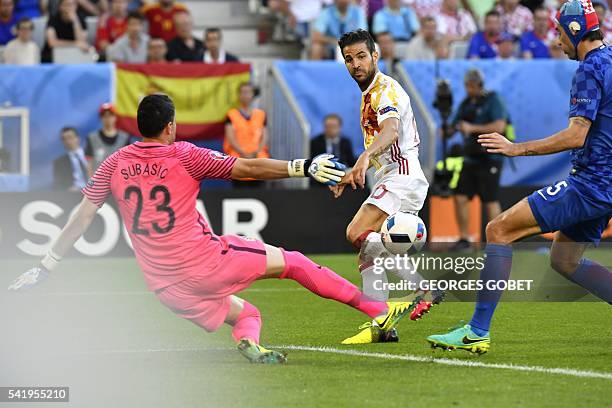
(135, 15)
(154, 113)
(492, 13)
(333, 116)
(357, 37)
(596, 35)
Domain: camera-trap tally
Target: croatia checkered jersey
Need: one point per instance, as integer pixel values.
(385, 98)
(591, 98)
(156, 187)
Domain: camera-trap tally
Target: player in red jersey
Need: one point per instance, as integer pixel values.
(191, 270)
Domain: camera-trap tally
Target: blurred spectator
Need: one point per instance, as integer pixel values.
(131, 47)
(332, 141)
(533, 4)
(29, 8)
(334, 21)
(214, 52)
(156, 51)
(64, 29)
(105, 141)
(160, 16)
(299, 14)
(112, 25)
(70, 171)
(431, 8)
(484, 43)
(245, 131)
(184, 47)
(455, 23)
(8, 20)
(401, 22)
(5, 160)
(605, 19)
(22, 50)
(480, 112)
(91, 8)
(386, 44)
(506, 46)
(516, 19)
(535, 44)
(425, 45)
(555, 50)
(371, 7)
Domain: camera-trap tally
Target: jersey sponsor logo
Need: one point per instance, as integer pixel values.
(581, 101)
(217, 155)
(387, 109)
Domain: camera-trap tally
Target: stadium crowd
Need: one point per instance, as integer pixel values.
(130, 31)
(126, 31)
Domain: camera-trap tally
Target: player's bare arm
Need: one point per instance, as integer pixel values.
(572, 137)
(389, 133)
(323, 168)
(72, 231)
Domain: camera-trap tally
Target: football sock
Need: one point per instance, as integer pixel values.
(595, 278)
(374, 284)
(497, 267)
(248, 324)
(324, 282)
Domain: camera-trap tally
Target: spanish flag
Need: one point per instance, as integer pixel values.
(202, 94)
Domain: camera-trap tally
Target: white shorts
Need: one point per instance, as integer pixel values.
(398, 192)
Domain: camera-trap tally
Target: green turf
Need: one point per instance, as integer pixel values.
(59, 335)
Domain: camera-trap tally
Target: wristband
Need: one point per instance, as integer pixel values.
(298, 167)
(51, 260)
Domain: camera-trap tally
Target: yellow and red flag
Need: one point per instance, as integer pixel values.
(202, 94)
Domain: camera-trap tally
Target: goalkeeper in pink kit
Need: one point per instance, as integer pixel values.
(192, 271)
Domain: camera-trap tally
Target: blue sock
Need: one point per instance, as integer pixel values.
(497, 267)
(595, 278)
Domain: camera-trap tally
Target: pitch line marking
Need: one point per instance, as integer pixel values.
(385, 356)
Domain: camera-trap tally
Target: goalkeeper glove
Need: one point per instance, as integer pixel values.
(324, 168)
(29, 278)
(37, 274)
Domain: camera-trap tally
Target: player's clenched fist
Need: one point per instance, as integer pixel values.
(29, 278)
(324, 168)
(496, 143)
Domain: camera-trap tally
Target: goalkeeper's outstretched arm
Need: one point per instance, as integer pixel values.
(324, 168)
(72, 231)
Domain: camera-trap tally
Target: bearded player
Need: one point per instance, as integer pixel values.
(391, 143)
(192, 271)
(578, 208)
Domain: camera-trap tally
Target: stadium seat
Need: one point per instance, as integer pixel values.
(458, 50)
(73, 55)
(38, 34)
(91, 24)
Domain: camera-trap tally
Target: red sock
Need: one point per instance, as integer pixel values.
(248, 324)
(327, 284)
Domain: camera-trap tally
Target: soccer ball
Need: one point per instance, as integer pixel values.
(403, 233)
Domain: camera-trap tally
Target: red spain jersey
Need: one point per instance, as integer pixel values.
(109, 29)
(161, 22)
(156, 187)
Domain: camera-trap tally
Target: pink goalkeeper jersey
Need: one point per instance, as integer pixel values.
(156, 187)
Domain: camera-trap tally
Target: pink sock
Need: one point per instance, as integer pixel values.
(248, 324)
(327, 284)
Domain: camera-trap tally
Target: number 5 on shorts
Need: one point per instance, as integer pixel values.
(552, 191)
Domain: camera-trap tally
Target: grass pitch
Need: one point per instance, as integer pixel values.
(92, 326)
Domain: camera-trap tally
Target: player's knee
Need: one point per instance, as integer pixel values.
(564, 266)
(352, 233)
(497, 231)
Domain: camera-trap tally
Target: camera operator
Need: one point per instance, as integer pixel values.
(480, 112)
